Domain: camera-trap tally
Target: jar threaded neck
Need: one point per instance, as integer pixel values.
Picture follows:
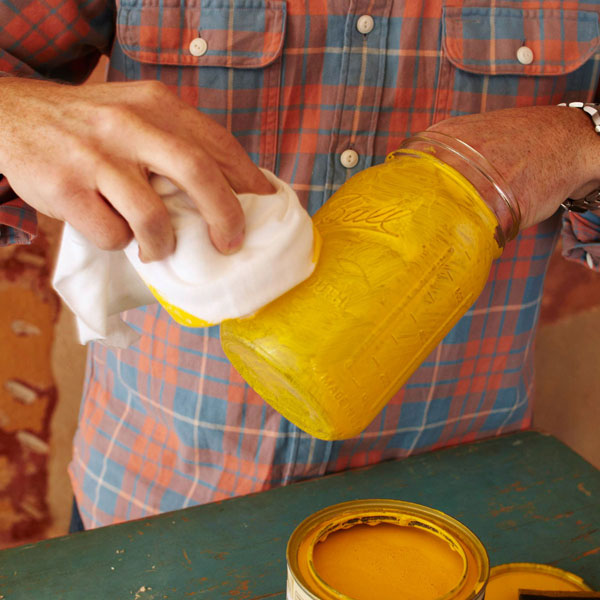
(471, 164)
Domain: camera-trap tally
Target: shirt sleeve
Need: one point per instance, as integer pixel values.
(62, 41)
(17, 220)
(55, 40)
(581, 238)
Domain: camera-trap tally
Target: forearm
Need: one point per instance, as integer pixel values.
(546, 154)
(70, 54)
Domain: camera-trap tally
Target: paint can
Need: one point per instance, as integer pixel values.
(378, 549)
(506, 580)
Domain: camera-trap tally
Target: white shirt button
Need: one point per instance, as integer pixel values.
(525, 55)
(349, 158)
(198, 47)
(365, 24)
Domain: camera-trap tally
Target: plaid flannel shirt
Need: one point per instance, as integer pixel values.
(168, 422)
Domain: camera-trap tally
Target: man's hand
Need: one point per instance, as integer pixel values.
(84, 154)
(545, 153)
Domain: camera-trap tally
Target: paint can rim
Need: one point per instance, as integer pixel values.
(398, 512)
(530, 567)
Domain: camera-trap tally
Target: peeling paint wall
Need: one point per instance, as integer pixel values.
(41, 374)
(28, 393)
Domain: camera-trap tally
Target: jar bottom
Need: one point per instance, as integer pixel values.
(277, 388)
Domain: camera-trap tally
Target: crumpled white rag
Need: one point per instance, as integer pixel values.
(277, 254)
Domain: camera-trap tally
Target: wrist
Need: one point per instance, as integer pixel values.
(16, 113)
(586, 130)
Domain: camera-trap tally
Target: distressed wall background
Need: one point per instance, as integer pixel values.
(41, 374)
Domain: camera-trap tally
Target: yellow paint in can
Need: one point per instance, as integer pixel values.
(506, 580)
(384, 550)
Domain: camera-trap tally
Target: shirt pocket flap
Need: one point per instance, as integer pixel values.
(486, 40)
(242, 34)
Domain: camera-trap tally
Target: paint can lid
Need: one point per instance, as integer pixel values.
(506, 580)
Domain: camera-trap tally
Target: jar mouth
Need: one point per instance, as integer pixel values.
(472, 165)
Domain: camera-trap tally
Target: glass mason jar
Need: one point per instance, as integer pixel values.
(407, 249)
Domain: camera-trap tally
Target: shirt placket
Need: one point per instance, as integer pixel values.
(360, 91)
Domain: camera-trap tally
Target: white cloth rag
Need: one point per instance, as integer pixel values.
(277, 254)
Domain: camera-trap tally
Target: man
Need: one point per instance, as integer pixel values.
(315, 92)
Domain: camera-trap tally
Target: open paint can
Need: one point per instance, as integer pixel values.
(384, 549)
(506, 580)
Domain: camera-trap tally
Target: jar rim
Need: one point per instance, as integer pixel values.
(507, 210)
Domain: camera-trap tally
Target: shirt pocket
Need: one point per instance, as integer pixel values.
(480, 68)
(237, 76)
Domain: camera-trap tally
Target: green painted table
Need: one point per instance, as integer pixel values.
(527, 496)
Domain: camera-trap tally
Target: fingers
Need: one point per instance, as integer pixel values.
(166, 151)
(177, 117)
(96, 220)
(233, 161)
(212, 195)
(247, 178)
(117, 134)
(198, 174)
(129, 192)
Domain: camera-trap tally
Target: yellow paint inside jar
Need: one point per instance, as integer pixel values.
(407, 249)
(387, 562)
(189, 320)
(179, 315)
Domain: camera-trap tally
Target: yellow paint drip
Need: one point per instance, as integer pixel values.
(388, 562)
